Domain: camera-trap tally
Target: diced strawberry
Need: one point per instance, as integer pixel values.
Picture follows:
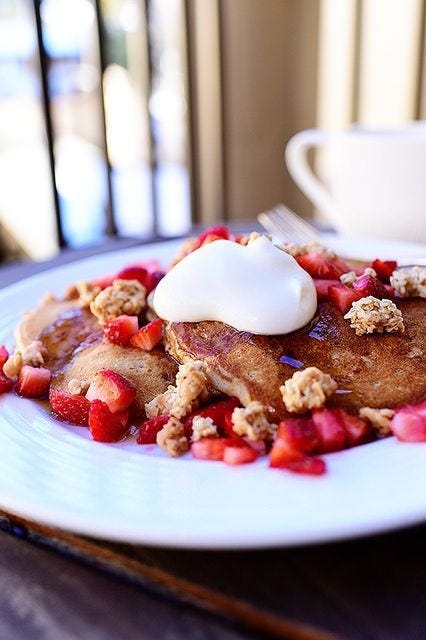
(418, 409)
(133, 272)
(384, 269)
(220, 412)
(148, 431)
(282, 453)
(299, 433)
(6, 384)
(153, 279)
(4, 355)
(322, 286)
(220, 231)
(69, 407)
(318, 266)
(209, 448)
(409, 427)
(332, 434)
(210, 238)
(114, 390)
(370, 286)
(307, 466)
(120, 330)
(33, 382)
(357, 430)
(235, 454)
(343, 296)
(149, 336)
(104, 425)
(151, 264)
(390, 291)
(104, 281)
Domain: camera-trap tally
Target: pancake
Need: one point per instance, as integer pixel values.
(376, 370)
(76, 351)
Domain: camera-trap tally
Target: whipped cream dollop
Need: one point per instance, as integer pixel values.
(256, 288)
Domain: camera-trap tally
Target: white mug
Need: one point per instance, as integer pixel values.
(377, 179)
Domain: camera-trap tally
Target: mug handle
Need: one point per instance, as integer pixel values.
(299, 169)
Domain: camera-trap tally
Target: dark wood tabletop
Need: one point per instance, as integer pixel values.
(57, 585)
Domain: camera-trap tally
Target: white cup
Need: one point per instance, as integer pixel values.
(377, 181)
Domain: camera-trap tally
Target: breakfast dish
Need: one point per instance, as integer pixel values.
(55, 473)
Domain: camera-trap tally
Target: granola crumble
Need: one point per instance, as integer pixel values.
(307, 389)
(378, 418)
(161, 404)
(122, 297)
(371, 314)
(203, 428)
(13, 366)
(296, 250)
(410, 283)
(32, 354)
(348, 278)
(77, 387)
(251, 421)
(172, 437)
(87, 292)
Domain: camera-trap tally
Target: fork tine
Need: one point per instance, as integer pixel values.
(281, 221)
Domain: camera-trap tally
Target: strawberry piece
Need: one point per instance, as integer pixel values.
(120, 330)
(4, 355)
(220, 412)
(209, 448)
(343, 296)
(322, 286)
(384, 269)
(104, 425)
(409, 427)
(153, 279)
(370, 286)
(70, 408)
(149, 336)
(419, 409)
(282, 453)
(148, 431)
(220, 231)
(318, 266)
(133, 272)
(33, 382)
(357, 430)
(299, 433)
(234, 454)
(307, 466)
(104, 281)
(6, 384)
(114, 390)
(332, 434)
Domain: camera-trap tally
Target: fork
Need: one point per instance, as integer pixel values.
(283, 223)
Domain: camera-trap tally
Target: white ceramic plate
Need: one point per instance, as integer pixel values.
(55, 474)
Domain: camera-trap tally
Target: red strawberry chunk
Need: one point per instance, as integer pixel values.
(343, 296)
(419, 409)
(409, 423)
(234, 454)
(114, 390)
(220, 231)
(153, 279)
(70, 408)
(318, 266)
(133, 272)
(299, 433)
(104, 281)
(148, 431)
(120, 330)
(332, 434)
(370, 286)
(322, 286)
(104, 425)
(149, 336)
(33, 382)
(384, 269)
(282, 453)
(209, 448)
(357, 430)
(308, 466)
(4, 355)
(6, 385)
(220, 412)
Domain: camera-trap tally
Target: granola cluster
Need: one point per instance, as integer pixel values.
(296, 250)
(410, 283)
(122, 297)
(378, 418)
(87, 292)
(307, 389)
(350, 277)
(172, 437)
(203, 428)
(251, 421)
(370, 315)
(78, 387)
(32, 354)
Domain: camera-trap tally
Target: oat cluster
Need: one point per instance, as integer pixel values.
(122, 297)
(370, 315)
(410, 283)
(87, 292)
(350, 277)
(296, 250)
(32, 354)
(203, 428)
(378, 418)
(251, 421)
(172, 437)
(78, 387)
(307, 389)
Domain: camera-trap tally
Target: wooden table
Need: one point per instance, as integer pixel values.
(58, 586)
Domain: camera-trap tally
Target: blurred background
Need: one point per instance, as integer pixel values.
(139, 118)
